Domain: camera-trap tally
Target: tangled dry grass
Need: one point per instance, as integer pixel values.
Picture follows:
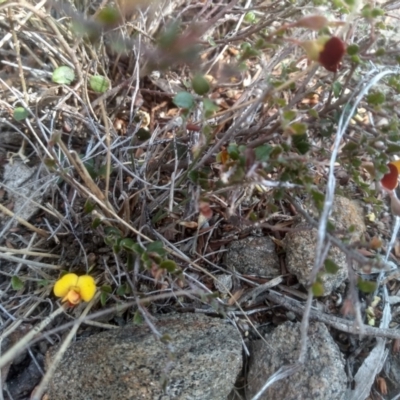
(121, 181)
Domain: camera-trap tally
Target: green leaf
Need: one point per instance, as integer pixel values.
(143, 134)
(169, 265)
(376, 98)
(89, 165)
(102, 172)
(111, 231)
(355, 59)
(169, 36)
(20, 113)
(248, 51)
(289, 115)
(366, 12)
(263, 152)
(103, 298)
(313, 113)
(106, 289)
(209, 108)
(16, 283)
(63, 75)
(317, 289)
(377, 12)
(137, 318)
(210, 40)
(200, 85)
(108, 16)
(129, 245)
(350, 147)
(183, 100)
(261, 43)
(318, 198)
(336, 88)
(166, 338)
(250, 17)
(300, 142)
(122, 290)
(393, 148)
(89, 206)
(199, 177)
(156, 247)
(96, 223)
(353, 49)
(233, 151)
(298, 128)
(350, 3)
(330, 266)
(155, 258)
(366, 286)
(99, 83)
(276, 151)
(330, 227)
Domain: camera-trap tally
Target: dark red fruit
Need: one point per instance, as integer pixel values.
(332, 54)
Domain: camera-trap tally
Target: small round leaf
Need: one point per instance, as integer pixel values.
(16, 283)
(20, 113)
(183, 100)
(99, 83)
(317, 289)
(366, 286)
(200, 85)
(250, 17)
(353, 49)
(169, 265)
(63, 75)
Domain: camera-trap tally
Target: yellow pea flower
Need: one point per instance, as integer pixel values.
(74, 288)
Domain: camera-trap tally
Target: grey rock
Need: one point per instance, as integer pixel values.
(253, 256)
(348, 213)
(392, 368)
(322, 377)
(300, 245)
(223, 283)
(129, 363)
(27, 187)
(300, 256)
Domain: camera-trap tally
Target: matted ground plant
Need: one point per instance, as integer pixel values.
(145, 136)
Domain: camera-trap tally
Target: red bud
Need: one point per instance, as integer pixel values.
(331, 56)
(389, 180)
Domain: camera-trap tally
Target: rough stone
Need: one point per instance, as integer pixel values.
(322, 377)
(300, 245)
(27, 187)
(253, 256)
(347, 213)
(392, 368)
(130, 363)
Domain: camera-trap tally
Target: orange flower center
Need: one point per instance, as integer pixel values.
(73, 296)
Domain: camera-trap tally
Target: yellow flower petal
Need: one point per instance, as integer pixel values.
(63, 285)
(313, 48)
(87, 287)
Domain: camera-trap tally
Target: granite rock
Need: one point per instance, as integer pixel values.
(253, 256)
(300, 244)
(27, 187)
(322, 376)
(130, 363)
